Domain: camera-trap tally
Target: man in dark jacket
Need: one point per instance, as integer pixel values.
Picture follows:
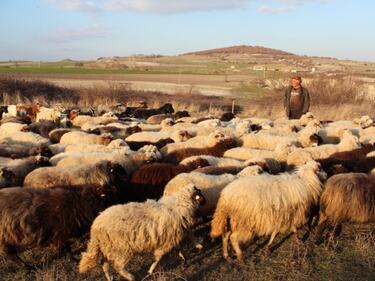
(297, 99)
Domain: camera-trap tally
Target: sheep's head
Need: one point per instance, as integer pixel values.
(250, 171)
(42, 161)
(198, 163)
(305, 118)
(349, 141)
(107, 138)
(150, 153)
(181, 135)
(196, 194)
(7, 174)
(118, 174)
(167, 122)
(316, 168)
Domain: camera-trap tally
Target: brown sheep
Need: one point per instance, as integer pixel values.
(149, 180)
(347, 197)
(218, 150)
(40, 217)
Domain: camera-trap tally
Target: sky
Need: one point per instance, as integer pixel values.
(87, 29)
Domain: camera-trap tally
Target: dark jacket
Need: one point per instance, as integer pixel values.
(305, 100)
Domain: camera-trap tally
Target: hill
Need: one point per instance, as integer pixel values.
(242, 50)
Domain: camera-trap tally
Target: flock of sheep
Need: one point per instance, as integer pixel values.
(141, 179)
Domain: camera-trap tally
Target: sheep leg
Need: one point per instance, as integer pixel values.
(10, 251)
(225, 238)
(158, 255)
(323, 224)
(119, 266)
(236, 246)
(105, 268)
(194, 240)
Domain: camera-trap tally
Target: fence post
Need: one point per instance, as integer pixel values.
(233, 106)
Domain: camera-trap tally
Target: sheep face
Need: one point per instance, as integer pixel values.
(118, 174)
(317, 169)
(7, 174)
(42, 161)
(198, 197)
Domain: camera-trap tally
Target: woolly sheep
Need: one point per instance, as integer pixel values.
(149, 180)
(42, 217)
(122, 231)
(301, 156)
(210, 185)
(195, 142)
(130, 162)
(280, 204)
(347, 197)
(77, 137)
(47, 114)
(20, 168)
(219, 147)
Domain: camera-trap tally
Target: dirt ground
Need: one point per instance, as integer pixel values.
(349, 257)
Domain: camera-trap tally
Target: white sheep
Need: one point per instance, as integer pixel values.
(48, 114)
(265, 205)
(77, 137)
(210, 185)
(122, 231)
(301, 156)
(195, 142)
(99, 174)
(280, 153)
(130, 163)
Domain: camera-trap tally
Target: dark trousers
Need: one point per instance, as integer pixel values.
(295, 114)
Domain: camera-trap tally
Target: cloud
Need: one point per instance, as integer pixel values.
(286, 6)
(76, 5)
(76, 34)
(172, 6)
(274, 10)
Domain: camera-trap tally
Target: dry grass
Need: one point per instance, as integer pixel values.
(331, 99)
(348, 257)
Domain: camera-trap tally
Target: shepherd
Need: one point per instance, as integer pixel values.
(297, 99)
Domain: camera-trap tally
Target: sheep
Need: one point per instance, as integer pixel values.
(116, 131)
(28, 139)
(57, 148)
(210, 185)
(97, 148)
(158, 118)
(218, 149)
(149, 180)
(347, 197)
(40, 217)
(122, 231)
(144, 113)
(77, 137)
(215, 161)
(21, 150)
(56, 134)
(279, 204)
(20, 168)
(266, 141)
(86, 121)
(358, 160)
(280, 153)
(195, 142)
(47, 114)
(99, 174)
(299, 156)
(11, 127)
(130, 163)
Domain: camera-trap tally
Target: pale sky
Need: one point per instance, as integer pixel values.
(87, 29)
